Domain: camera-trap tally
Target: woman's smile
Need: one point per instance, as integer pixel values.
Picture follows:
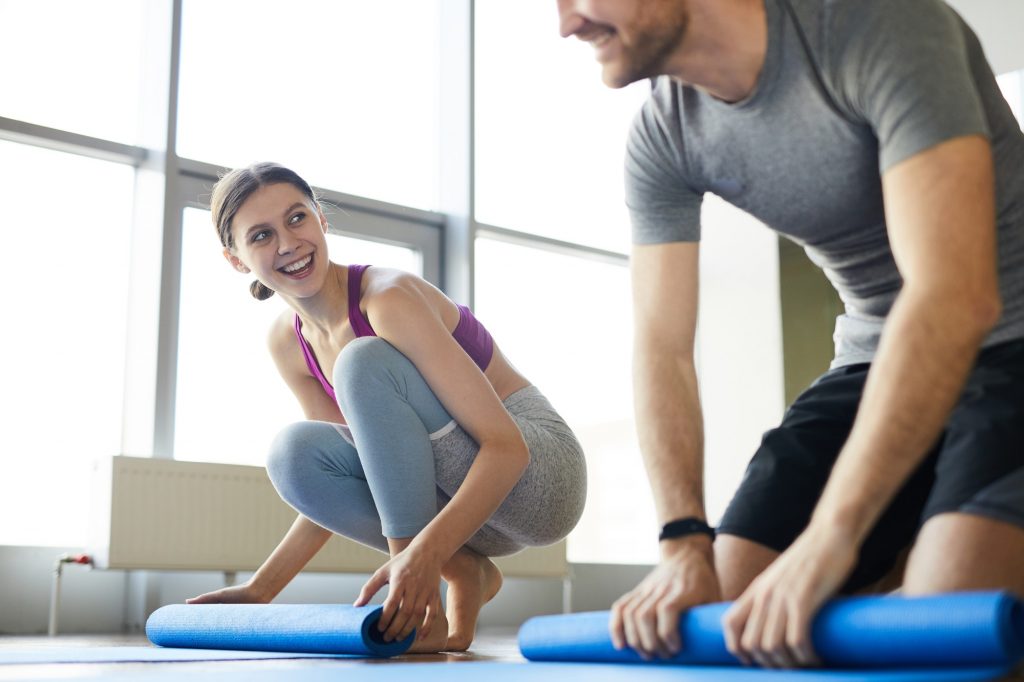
(298, 269)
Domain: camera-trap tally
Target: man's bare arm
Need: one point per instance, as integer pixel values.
(669, 424)
(940, 211)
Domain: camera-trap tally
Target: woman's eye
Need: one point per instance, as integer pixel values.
(297, 218)
(259, 236)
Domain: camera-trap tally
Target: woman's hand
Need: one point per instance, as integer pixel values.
(771, 621)
(236, 594)
(414, 593)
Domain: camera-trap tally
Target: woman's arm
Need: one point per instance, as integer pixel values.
(303, 540)
(407, 313)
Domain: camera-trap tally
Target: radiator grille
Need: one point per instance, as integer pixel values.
(162, 514)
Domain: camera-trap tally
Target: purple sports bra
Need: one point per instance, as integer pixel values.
(469, 333)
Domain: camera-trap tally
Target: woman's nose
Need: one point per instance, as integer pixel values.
(286, 243)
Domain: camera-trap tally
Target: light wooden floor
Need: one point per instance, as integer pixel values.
(496, 645)
(490, 645)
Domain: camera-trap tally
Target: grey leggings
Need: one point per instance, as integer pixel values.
(402, 458)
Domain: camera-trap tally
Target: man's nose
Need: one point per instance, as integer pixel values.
(568, 20)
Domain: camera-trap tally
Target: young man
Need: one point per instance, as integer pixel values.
(872, 133)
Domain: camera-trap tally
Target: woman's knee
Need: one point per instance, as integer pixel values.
(292, 455)
(360, 362)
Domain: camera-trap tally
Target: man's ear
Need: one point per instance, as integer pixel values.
(235, 263)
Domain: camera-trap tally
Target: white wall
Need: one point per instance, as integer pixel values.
(114, 601)
(1000, 26)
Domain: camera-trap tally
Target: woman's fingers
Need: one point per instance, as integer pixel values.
(372, 587)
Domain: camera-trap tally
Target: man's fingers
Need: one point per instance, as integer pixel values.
(646, 620)
(750, 640)
(773, 637)
(733, 624)
(668, 626)
(798, 638)
(616, 627)
(629, 626)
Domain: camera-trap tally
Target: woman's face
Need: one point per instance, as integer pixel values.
(279, 238)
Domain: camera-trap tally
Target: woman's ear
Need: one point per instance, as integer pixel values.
(323, 221)
(235, 263)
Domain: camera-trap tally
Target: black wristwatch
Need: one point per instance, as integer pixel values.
(679, 528)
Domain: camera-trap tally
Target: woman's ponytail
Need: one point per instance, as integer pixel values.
(260, 291)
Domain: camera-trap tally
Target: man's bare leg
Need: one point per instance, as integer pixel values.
(738, 561)
(957, 551)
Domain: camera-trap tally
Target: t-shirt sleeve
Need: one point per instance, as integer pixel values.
(662, 206)
(904, 68)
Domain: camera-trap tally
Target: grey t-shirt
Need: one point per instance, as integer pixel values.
(805, 155)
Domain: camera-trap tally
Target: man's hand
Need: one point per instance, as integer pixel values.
(771, 621)
(647, 618)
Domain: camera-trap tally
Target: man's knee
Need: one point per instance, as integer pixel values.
(957, 551)
(738, 561)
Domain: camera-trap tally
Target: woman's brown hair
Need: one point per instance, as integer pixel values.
(235, 187)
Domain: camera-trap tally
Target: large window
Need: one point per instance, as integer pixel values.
(550, 138)
(1012, 85)
(344, 92)
(567, 327)
(65, 280)
(550, 142)
(230, 399)
(73, 65)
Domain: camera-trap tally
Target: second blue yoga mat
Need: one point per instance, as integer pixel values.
(968, 629)
(301, 628)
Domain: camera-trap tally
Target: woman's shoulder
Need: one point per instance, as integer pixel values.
(281, 338)
(397, 291)
(391, 284)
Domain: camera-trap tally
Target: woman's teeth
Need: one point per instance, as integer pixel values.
(298, 265)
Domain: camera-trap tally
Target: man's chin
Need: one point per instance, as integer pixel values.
(614, 76)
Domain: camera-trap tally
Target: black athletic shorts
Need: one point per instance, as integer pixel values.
(977, 466)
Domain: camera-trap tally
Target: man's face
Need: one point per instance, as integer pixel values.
(632, 39)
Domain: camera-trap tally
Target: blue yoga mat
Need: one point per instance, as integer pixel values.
(966, 629)
(471, 671)
(138, 654)
(300, 628)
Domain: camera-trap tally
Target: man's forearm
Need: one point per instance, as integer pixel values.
(926, 354)
(670, 431)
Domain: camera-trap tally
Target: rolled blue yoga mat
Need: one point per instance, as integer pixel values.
(297, 628)
(965, 629)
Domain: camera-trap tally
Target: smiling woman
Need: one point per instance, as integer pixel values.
(423, 441)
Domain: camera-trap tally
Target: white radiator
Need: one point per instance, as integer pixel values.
(163, 514)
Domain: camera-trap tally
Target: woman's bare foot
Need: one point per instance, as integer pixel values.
(436, 640)
(473, 580)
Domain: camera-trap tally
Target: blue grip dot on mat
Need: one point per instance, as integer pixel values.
(965, 629)
(298, 628)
